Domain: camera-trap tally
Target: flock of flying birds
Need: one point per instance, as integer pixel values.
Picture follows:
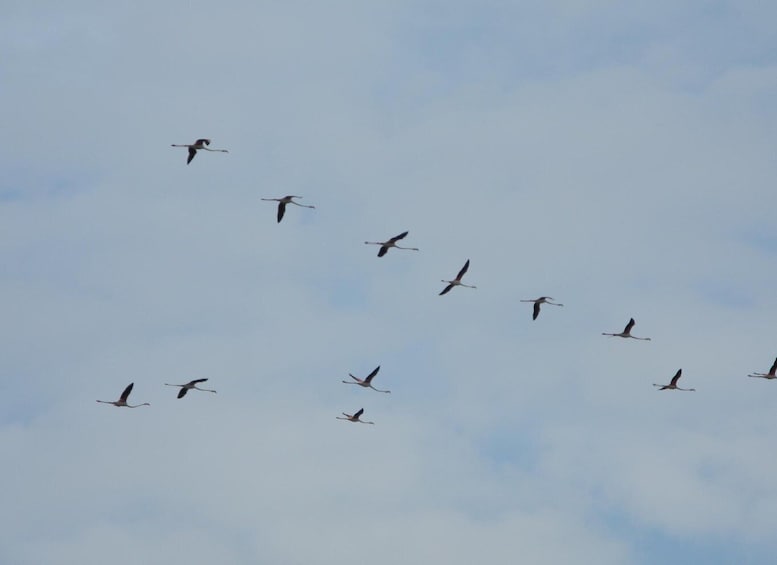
(202, 144)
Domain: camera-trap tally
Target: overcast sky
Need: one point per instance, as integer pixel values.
(617, 156)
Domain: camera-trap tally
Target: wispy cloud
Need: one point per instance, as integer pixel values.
(618, 159)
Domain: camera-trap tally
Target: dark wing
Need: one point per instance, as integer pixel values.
(774, 368)
(382, 250)
(125, 395)
(372, 374)
(281, 210)
(359, 413)
(202, 141)
(676, 377)
(463, 270)
(536, 311)
(195, 381)
(192, 153)
(398, 237)
(182, 392)
(628, 327)
(446, 289)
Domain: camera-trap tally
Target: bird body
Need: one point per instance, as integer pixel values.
(457, 280)
(190, 385)
(627, 332)
(673, 383)
(122, 401)
(201, 143)
(538, 302)
(354, 417)
(388, 244)
(282, 204)
(366, 382)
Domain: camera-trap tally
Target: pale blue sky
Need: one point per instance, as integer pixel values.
(619, 156)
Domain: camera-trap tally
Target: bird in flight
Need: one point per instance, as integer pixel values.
(196, 146)
(538, 302)
(354, 417)
(122, 401)
(457, 280)
(627, 332)
(367, 382)
(282, 204)
(190, 385)
(770, 375)
(386, 245)
(673, 384)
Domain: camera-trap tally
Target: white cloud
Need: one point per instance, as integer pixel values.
(583, 167)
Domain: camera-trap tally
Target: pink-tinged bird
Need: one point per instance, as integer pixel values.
(367, 382)
(196, 146)
(386, 245)
(354, 417)
(541, 300)
(673, 384)
(190, 385)
(122, 401)
(457, 280)
(282, 204)
(627, 332)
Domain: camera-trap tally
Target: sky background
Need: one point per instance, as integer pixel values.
(618, 156)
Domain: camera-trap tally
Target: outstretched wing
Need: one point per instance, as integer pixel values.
(446, 289)
(125, 395)
(382, 250)
(202, 141)
(195, 381)
(372, 374)
(463, 270)
(536, 311)
(774, 368)
(628, 327)
(182, 392)
(398, 237)
(676, 377)
(281, 210)
(192, 153)
(359, 413)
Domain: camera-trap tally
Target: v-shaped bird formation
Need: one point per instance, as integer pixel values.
(203, 144)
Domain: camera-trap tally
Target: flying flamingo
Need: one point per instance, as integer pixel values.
(386, 245)
(770, 375)
(122, 401)
(354, 417)
(367, 382)
(627, 332)
(673, 384)
(541, 300)
(282, 204)
(191, 384)
(194, 147)
(457, 280)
